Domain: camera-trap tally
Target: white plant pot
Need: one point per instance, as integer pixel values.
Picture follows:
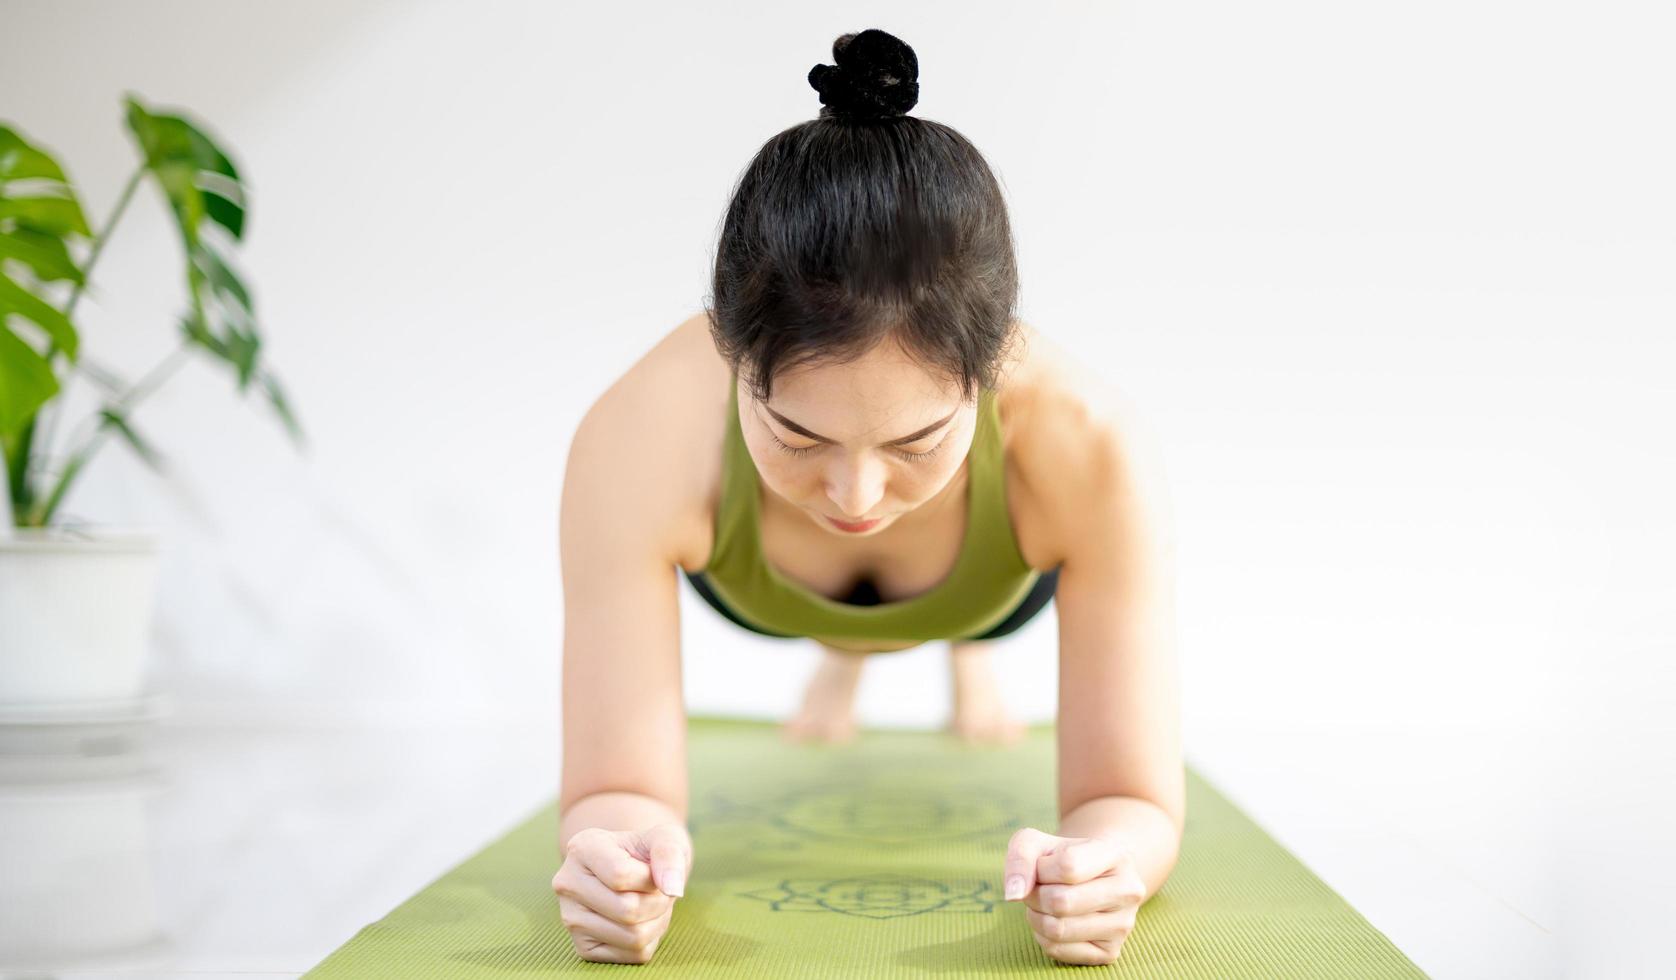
(75, 615)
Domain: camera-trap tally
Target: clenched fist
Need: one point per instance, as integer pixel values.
(1080, 893)
(617, 889)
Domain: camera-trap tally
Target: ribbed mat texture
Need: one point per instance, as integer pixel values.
(878, 858)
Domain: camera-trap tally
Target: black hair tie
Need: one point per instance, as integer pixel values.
(876, 77)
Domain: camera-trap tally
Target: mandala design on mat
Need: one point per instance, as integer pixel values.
(880, 896)
(894, 815)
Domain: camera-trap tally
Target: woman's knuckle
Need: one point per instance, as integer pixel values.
(591, 948)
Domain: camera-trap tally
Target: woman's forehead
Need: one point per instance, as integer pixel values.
(884, 369)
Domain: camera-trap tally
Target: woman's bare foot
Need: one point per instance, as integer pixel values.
(979, 715)
(828, 712)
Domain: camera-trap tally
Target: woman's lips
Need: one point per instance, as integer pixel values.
(851, 527)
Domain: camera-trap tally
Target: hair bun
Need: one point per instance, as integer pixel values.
(876, 77)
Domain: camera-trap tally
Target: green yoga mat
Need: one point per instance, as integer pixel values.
(878, 858)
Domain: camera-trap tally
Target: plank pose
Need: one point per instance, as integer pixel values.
(857, 441)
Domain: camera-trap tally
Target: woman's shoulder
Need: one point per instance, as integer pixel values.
(1049, 396)
(1071, 434)
(654, 438)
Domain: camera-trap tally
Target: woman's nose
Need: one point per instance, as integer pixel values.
(855, 486)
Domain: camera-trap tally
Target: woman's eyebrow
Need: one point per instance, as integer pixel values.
(911, 437)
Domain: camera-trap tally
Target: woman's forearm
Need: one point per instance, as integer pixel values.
(616, 810)
(1139, 824)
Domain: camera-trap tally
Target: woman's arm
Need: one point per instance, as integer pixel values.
(1121, 771)
(624, 751)
(616, 810)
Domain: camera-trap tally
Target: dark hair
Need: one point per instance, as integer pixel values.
(861, 225)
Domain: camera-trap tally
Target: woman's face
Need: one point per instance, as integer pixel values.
(870, 440)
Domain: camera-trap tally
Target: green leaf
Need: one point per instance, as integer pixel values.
(159, 141)
(201, 183)
(33, 226)
(21, 161)
(53, 214)
(202, 180)
(16, 299)
(115, 420)
(221, 276)
(197, 331)
(235, 345)
(224, 212)
(244, 344)
(43, 253)
(223, 201)
(238, 348)
(26, 381)
(282, 407)
(49, 204)
(184, 199)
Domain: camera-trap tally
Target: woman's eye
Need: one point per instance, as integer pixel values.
(920, 457)
(800, 450)
(790, 451)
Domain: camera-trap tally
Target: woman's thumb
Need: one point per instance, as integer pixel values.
(669, 846)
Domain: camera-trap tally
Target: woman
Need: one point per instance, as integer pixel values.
(859, 442)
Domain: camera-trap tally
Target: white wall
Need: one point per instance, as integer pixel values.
(1393, 283)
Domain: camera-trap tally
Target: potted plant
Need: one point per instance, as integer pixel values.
(76, 599)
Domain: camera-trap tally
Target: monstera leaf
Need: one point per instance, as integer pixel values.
(39, 219)
(38, 214)
(204, 191)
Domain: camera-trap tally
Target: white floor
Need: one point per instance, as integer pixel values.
(239, 852)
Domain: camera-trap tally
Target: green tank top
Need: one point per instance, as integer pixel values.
(990, 577)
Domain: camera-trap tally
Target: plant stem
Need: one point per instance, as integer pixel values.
(48, 416)
(142, 388)
(18, 460)
(156, 376)
(104, 236)
(17, 483)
